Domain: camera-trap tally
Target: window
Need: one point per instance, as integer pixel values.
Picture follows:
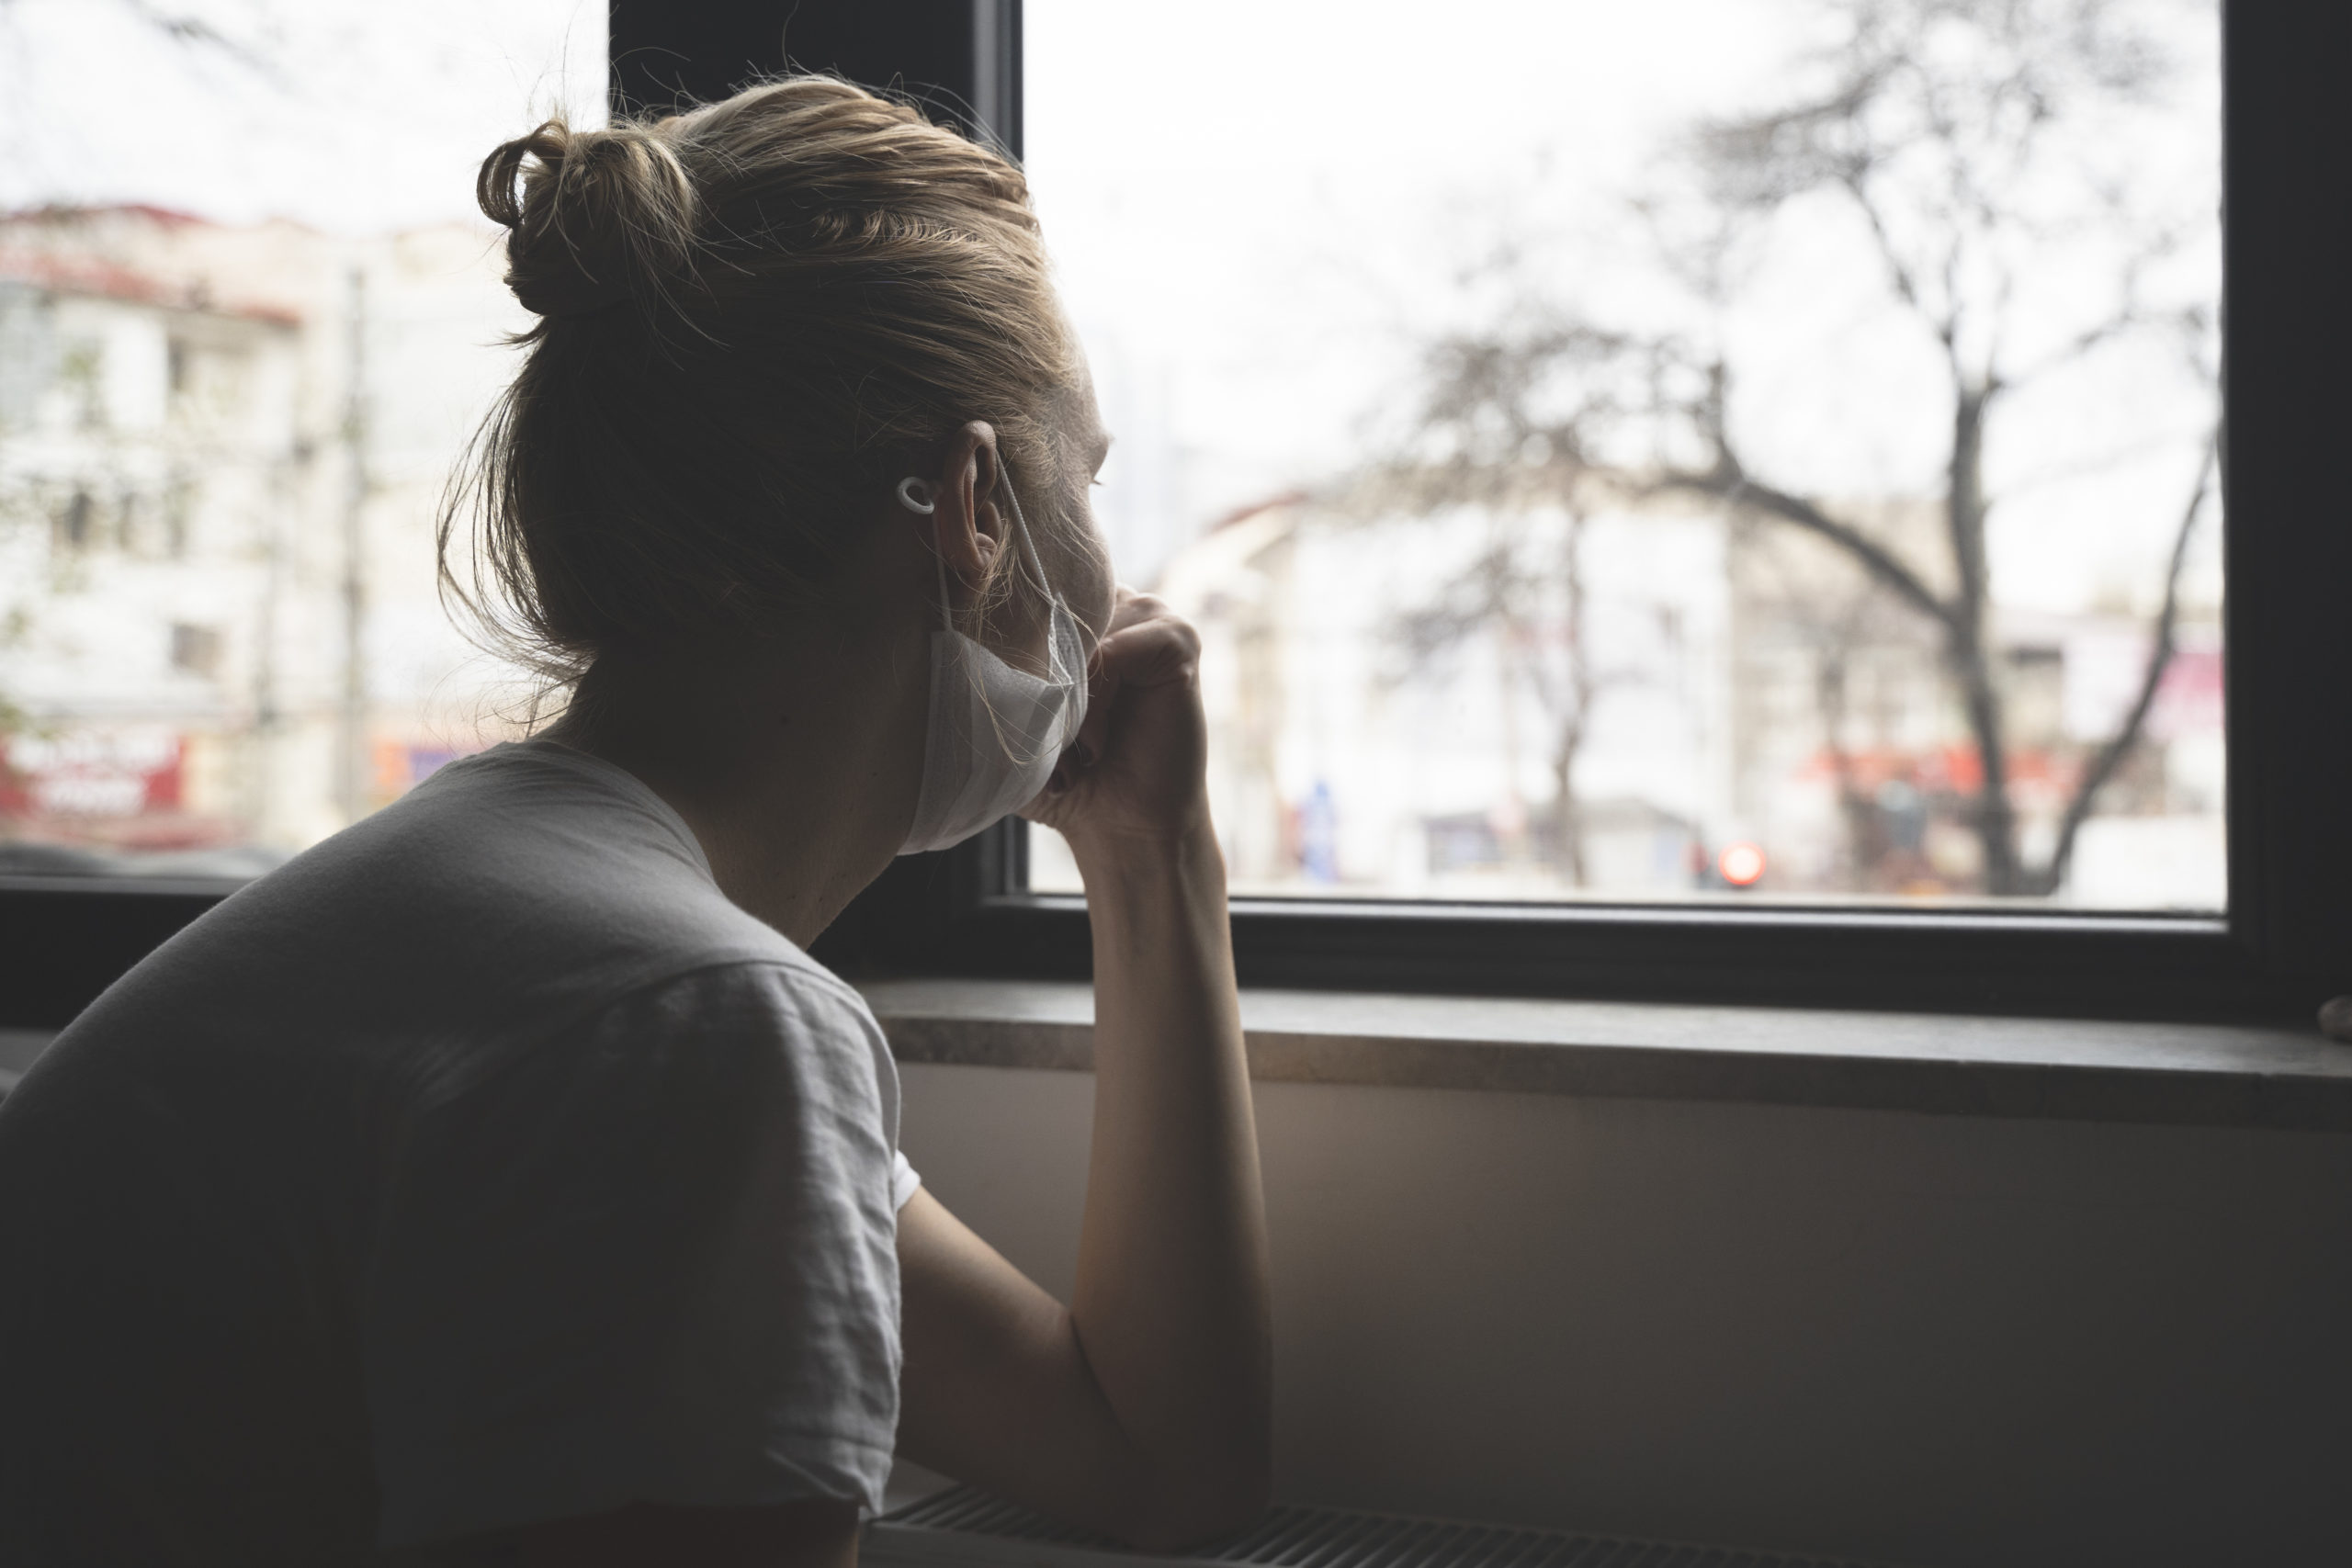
(195, 650)
(247, 316)
(1712, 451)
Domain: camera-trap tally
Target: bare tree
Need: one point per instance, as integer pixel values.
(188, 27)
(1500, 594)
(1938, 125)
(1491, 444)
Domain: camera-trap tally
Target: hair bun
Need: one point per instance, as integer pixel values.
(596, 218)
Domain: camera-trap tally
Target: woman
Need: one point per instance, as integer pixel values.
(500, 1180)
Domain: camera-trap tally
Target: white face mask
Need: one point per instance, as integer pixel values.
(995, 732)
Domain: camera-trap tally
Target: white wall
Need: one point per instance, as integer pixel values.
(1927, 1339)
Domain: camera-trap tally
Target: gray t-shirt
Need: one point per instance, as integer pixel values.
(482, 1165)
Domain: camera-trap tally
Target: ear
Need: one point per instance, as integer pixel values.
(968, 526)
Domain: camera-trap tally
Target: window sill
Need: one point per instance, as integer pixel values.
(2178, 1073)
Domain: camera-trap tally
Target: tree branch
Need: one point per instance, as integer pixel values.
(1906, 286)
(2110, 757)
(1729, 484)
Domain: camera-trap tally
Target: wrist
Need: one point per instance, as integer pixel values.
(1188, 849)
(1150, 896)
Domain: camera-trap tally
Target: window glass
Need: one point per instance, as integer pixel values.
(248, 316)
(1704, 449)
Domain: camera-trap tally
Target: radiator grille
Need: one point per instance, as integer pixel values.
(967, 1525)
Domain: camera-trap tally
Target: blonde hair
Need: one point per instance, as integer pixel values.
(754, 318)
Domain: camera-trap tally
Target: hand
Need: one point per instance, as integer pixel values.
(1137, 773)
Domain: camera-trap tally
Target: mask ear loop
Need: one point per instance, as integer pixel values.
(914, 495)
(1071, 660)
(1029, 557)
(939, 565)
(1028, 552)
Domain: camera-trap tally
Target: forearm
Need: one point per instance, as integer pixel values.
(1171, 1295)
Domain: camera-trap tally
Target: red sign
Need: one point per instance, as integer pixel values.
(90, 772)
(121, 787)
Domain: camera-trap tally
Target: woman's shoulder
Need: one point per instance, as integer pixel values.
(515, 891)
(536, 837)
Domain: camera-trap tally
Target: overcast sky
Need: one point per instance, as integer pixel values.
(1258, 240)
(354, 115)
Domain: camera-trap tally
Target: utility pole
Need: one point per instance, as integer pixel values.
(351, 728)
(283, 509)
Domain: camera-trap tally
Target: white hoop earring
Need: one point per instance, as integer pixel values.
(915, 496)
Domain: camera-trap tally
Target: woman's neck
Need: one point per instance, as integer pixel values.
(791, 765)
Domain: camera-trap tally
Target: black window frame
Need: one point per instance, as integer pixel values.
(2285, 943)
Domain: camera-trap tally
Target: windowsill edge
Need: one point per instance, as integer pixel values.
(2178, 1073)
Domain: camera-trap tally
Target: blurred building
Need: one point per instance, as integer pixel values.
(1712, 682)
(1346, 757)
(221, 450)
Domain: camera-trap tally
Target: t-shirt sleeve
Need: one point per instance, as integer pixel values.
(652, 1258)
